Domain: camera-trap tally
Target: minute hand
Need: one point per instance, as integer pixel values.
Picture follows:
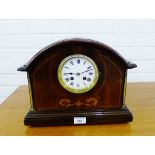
(86, 71)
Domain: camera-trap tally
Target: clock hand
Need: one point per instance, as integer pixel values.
(87, 70)
(69, 73)
(78, 72)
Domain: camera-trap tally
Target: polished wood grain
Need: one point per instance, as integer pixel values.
(48, 94)
(140, 99)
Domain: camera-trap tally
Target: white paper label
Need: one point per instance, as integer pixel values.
(79, 120)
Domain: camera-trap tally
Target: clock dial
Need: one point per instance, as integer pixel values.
(78, 73)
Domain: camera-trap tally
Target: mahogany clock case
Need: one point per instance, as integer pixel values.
(51, 104)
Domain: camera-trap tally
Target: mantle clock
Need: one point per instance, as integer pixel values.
(77, 81)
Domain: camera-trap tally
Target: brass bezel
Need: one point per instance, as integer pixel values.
(72, 90)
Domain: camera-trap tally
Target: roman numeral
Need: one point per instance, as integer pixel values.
(72, 62)
(67, 67)
(78, 61)
(88, 79)
(84, 63)
(67, 79)
(72, 83)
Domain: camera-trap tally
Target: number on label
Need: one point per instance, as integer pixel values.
(79, 120)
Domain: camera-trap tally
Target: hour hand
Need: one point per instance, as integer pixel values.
(68, 73)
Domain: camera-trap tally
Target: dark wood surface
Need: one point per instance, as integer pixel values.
(50, 118)
(140, 99)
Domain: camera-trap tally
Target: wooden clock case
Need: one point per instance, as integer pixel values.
(51, 104)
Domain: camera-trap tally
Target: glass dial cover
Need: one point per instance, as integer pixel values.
(78, 73)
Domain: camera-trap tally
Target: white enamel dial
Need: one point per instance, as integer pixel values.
(78, 73)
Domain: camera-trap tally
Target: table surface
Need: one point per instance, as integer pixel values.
(140, 98)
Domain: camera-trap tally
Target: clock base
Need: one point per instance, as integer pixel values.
(34, 118)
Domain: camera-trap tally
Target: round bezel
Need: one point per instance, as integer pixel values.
(74, 90)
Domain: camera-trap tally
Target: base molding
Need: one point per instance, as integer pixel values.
(34, 118)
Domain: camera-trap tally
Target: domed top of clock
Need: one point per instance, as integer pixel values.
(76, 42)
